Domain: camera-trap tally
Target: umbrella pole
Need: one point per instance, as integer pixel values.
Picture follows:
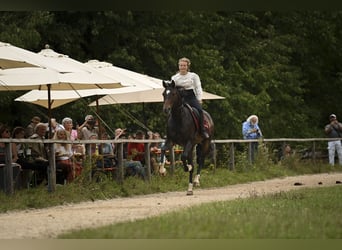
(143, 112)
(98, 120)
(49, 110)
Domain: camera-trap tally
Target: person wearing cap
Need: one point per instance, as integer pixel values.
(334, 130)
(119, 132)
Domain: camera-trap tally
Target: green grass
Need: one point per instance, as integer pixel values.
(301, 214)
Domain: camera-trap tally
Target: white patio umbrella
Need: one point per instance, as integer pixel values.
(125, 96)
(124, 76)
(55, 73)
(141, 88)
(15, 57)
(59, 98)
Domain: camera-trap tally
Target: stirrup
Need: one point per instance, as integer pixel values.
(205, 135)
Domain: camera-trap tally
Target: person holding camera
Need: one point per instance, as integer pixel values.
(334, 130)
(251, 130)
(88, 128)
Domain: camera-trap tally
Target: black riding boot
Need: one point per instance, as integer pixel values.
(201, 123)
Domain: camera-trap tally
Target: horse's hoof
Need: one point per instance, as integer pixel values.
(189, 192)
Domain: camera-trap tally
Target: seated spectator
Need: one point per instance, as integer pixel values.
(68, 126)
(5, 133)
(155, 149)
(18, 149)
(19, 155)
(107, 152)
(31, 126)
(136, 150)
(64, 157)
(54, 126)
(131, 167)
(37, 154)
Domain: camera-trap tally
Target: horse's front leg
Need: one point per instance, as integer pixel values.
(188, 165)
(186, 158)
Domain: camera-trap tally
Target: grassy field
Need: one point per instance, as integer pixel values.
(306, 213)
(301, 214)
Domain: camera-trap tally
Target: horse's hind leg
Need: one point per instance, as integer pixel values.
(162, 169)
(200, 164)
(190, 186)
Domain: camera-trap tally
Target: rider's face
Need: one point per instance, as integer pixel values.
(183, 67)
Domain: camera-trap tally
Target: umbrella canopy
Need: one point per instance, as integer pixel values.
(141, 88)
(124, 76)
(15, 57)
(143, 96)
(59, 98)
(40, 78)
(56, 72)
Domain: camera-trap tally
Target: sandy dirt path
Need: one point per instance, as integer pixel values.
(50, 222)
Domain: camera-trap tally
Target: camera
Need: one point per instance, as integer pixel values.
(91, 122)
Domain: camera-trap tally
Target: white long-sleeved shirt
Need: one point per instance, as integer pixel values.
(189, 81)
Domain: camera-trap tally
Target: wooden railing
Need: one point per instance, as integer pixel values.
(8, 174)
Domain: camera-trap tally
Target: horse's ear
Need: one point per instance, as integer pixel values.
(173, 84)
(165, 83)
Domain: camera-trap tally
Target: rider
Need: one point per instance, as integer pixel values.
(191, 82)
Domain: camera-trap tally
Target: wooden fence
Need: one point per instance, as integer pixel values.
(8, 173)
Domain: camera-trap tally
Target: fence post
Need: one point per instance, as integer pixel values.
(52, 168)
(8, 170)
(314, 152)
(250, 153)
(232, 157)
(148, 160)
(214, 155)
(120, 163)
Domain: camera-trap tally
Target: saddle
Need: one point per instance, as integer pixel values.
(195, 116)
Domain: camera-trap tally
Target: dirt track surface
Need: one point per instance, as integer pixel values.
(50, 222)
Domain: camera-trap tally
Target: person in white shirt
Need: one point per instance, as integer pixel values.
(191, 82)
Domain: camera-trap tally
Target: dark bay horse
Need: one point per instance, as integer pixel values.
(183, 129)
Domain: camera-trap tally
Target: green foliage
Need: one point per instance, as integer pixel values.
(283, 66)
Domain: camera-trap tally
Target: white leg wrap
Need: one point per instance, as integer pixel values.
(189, 192)
(197, 180)
(162, 169)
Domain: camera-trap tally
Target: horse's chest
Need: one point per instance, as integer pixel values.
(179, 136)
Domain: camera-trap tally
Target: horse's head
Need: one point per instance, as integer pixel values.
(171, 95)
